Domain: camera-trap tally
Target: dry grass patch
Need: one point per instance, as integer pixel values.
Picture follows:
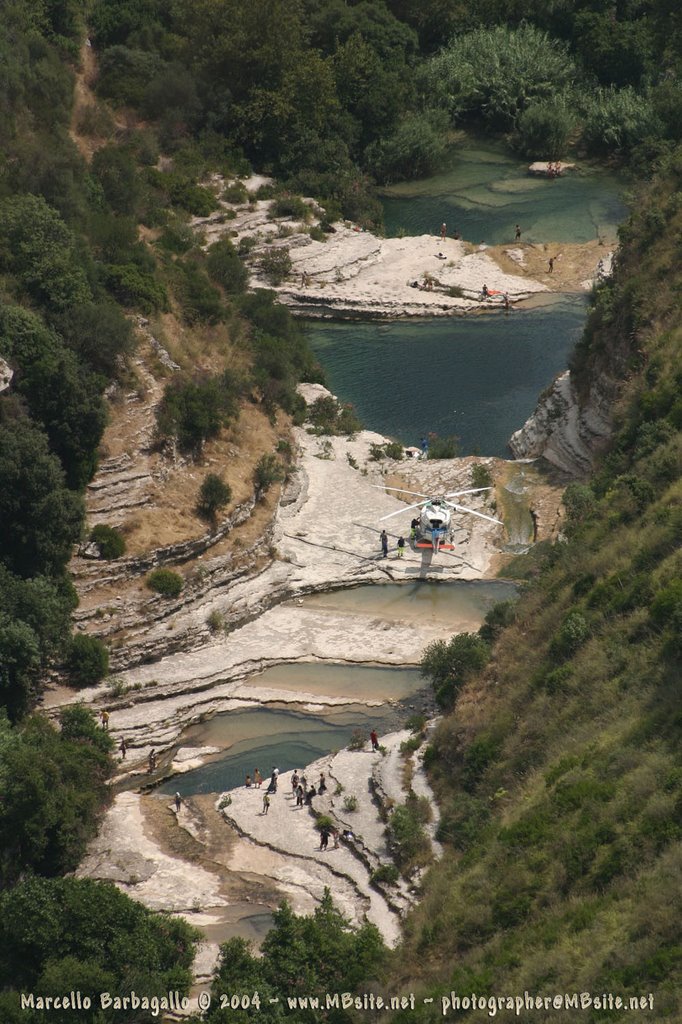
(232, 456)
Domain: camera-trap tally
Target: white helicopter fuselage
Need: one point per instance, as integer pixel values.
(434, 522)
(433, 527)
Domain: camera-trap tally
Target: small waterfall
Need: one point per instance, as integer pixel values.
(517, 515)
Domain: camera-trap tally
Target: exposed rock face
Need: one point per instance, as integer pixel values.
(6, 374)
(541, 168)
(562, 431)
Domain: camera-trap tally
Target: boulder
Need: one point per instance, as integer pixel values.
(6, 374)
(541, 168)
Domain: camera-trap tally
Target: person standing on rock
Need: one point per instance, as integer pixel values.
(443, 231)
(517, 233)
(401, 546)
(322, 785)
(374, 739)
(324, 837)
(294, 781)
(257, 778)
(550, 265)
(312, 792)
(414, 525)
(178, 803)
(104, 715)
(384, 544)
(299, 796)
(123, 748)
(266, 803)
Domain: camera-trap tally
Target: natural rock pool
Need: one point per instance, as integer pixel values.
(294, 735)
(462, 604)
(487, 191)
(285, 737)
(477, 377)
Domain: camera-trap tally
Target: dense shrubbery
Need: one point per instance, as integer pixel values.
(416, 148)
(543, 129)
(449, 665)
(68, 934)
(226, 268)
(443, 447)
(87, 660)
(320, 952)
(214, 495)
(165, 582)
(111, 542)
(408, 842)
(194, 411)
(496, 73)
(276, 265)
(618, 121)
(330, 417)
(54, 787)
(269, 470)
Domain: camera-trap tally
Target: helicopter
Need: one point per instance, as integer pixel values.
(434, 529)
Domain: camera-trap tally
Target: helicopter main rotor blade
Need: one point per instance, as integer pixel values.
(401, 490)
(405, 509)
(474, 490)
(470, 511)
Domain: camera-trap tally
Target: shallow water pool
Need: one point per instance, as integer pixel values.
(486, 191)
(333, 680)
(263, 737)
(461, 604)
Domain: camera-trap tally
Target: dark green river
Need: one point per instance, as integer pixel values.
(476, 376)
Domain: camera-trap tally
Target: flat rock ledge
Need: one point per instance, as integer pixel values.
(374, 780)
(354, 274)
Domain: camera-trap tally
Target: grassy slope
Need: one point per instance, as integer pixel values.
(560, 772)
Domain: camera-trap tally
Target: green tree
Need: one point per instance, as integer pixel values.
(321, 952)
(60, 393)
(41, 519)
(19, 664)
(414, 150)
(269, 470)
(38, 248)
(87, 661)
(99, 334)
(83, 932)
(497, 72)
(194, 411)
(226, 268)
(543, 129)
(54, 790)
(214, 494)
(618, 120)
(114, 168)
(449, 665)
